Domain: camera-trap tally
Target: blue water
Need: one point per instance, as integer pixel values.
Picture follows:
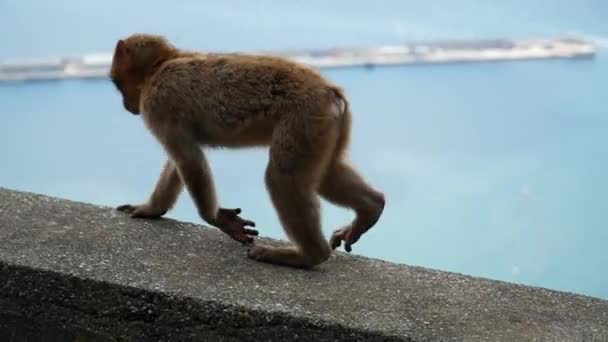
(495, 170)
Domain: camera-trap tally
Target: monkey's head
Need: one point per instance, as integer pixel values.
(135, 59)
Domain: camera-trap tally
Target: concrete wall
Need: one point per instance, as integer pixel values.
(77, 272)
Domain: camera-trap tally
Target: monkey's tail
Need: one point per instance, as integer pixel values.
(343, 141)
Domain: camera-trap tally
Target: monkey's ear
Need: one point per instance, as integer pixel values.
(121, 53)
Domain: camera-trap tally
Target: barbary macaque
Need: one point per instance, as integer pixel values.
(191, 100)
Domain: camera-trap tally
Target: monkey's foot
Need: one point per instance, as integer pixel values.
(229, 221)
(262, 253)
(349, 234)
(284, 256)
(141, 211)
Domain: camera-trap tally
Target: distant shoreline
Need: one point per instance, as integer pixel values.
(441, 52)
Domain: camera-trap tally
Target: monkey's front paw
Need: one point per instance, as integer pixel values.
(260, 253)
(140, 211)
(229, 221)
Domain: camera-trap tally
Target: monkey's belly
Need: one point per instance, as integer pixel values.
(254, 133)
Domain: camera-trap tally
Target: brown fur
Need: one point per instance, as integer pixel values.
(190, 99)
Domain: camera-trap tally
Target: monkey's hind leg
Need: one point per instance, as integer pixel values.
(344, 186)
(292, 177)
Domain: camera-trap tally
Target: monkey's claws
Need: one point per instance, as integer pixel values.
(346, 234)
(229, 221)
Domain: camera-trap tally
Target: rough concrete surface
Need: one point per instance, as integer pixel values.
(78, 272)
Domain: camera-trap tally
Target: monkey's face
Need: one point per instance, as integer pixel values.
(124, 78)
(130, 95)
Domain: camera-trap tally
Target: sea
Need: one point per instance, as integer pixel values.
(496, 170)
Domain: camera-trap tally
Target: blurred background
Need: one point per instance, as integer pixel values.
(489, 169)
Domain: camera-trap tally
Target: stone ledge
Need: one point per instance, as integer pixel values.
(74, 271)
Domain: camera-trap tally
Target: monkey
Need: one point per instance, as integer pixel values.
(191, 101)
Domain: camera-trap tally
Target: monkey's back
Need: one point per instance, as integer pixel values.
(236, 88)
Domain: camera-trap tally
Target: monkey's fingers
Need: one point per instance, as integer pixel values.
(231, 213)
(251, 231)
(234, 214)
(241, 237)
(245, 222)
(346, 234)
(144, 213)
(240, 233)
(335, 242)
(352, 237)
(127, 208)
(337, 237)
